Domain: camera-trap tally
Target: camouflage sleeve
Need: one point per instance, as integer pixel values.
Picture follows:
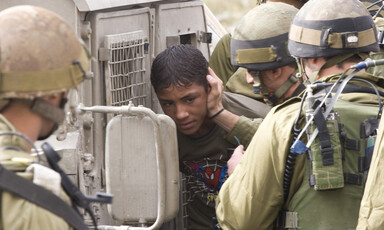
(220, 60)
(244, 130)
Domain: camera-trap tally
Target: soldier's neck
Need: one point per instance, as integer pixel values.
(23, 119)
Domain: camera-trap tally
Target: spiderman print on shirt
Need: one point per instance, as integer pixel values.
(205, 178)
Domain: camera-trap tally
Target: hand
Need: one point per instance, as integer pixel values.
(235, 159)
(215, 93)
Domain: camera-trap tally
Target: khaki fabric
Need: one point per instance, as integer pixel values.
(238, 84)
(253, 195)
(220, 60)
(251, 114)
(371, 215)
(17, 213)
(378, 70)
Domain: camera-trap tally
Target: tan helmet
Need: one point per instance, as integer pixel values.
(325, 28)
(259, 40)
(40, 53)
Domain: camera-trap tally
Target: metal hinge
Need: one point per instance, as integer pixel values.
(205, 37)
(104, 54)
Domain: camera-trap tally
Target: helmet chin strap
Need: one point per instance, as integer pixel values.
(46, 110)
(273, 98)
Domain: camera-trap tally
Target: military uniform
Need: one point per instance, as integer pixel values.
(238, 84)
(220, 60)
(41, 59)
(252, 196)
(17, 213)
(372, 205)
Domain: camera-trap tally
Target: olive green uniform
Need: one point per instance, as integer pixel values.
(220, 60)
(253, 195)
(17, 213)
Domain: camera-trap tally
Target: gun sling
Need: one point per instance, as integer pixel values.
(27, 190)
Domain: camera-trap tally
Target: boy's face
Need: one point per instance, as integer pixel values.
(187, 106)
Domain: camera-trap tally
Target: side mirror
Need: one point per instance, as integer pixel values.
(142, 168)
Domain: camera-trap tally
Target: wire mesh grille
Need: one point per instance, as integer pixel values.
(126, 68)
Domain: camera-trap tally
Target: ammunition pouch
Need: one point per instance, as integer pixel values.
(325, 155)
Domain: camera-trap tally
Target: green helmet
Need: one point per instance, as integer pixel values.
(40, 53)
(259, 40)
(325, 28)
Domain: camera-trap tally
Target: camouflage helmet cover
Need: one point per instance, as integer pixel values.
(40, 53)
(324, 28)
(259, 40)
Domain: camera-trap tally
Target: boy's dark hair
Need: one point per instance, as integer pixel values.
(180, 65)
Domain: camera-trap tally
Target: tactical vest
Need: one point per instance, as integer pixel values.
(329, 196)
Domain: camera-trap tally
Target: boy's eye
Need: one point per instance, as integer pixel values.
(189, 100)
(166, 104)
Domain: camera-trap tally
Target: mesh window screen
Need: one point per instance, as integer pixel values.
(126, 78)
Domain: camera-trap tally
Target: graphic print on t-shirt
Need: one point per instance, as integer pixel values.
(205, 178)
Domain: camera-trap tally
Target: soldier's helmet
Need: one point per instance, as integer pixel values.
(258, 2)
(259, 40)
(40, 53)
(324, 28)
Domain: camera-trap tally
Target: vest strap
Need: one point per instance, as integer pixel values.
(287, 220)
(325, 140)
(349, 143)
(35, 194)
(44, 109)
(364, 163)
(350, 178)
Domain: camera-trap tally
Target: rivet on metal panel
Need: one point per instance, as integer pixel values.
(89, 75)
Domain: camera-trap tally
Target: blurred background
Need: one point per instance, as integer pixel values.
(229, 12)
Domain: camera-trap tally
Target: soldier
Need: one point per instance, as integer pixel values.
(261, 49)
(296, 3)
(322, 188)
(41, 58)
(259, 44)
(184, 86)
(233, 77)
(372, 204)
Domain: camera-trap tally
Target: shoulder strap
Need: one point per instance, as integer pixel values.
(27, 190)
(352, 88)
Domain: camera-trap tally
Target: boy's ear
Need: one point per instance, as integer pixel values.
(209, 87)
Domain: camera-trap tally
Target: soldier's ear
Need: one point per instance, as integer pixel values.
(276, 73)
(54, 98)
(314, 63)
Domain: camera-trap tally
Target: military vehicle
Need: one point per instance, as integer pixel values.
(116, 139)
